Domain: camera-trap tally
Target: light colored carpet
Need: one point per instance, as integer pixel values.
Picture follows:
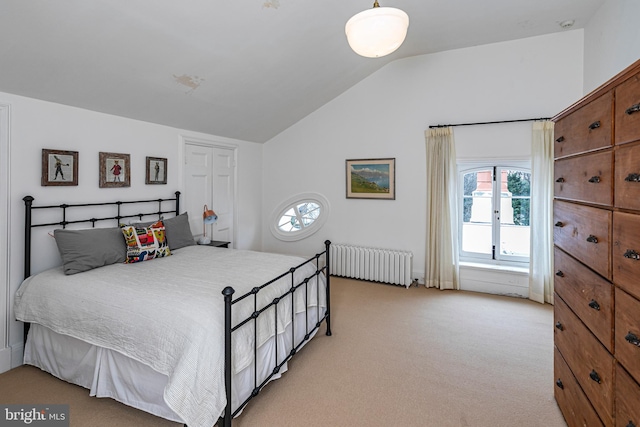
(397, 357)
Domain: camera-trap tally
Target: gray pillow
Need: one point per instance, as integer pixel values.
(83, 250)
(177, 230)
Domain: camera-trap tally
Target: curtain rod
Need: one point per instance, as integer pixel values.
(488, 123)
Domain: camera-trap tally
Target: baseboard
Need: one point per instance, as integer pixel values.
(5, 359)
(494, 288)
(17, 355)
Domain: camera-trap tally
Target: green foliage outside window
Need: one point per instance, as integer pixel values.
(519, 184)
(470, 184)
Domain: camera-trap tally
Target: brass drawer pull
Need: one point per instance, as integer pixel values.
(594, 179)
(594, 376)
(631, 254)
(559, 383)
(559, 224)
(592, 239)
(594, 125)
(632, 339)
(559, 273)
(559, 326)
(561, 179)
(633, 177)
(633, 109)
(594, 304)
(560, 139)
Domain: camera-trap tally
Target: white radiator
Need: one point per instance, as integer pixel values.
(374, 264)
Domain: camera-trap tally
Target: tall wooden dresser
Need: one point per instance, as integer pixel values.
(597, 255)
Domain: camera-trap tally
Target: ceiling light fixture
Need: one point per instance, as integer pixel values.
(377, 32)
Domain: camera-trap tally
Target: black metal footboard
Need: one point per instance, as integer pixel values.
(300, 285)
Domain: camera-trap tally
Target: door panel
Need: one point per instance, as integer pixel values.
(223, 193)
(198, 184)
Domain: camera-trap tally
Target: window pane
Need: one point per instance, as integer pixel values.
(514, 213)
(289, 221)
(477, 212)
(514, 240)
(518, 182)
(289, 224)
(309, 212)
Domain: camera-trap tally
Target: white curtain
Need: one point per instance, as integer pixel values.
(441, 265)
(541, 215)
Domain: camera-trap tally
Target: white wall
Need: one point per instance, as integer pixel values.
(611, 41)
(37, 124)
(386, 115)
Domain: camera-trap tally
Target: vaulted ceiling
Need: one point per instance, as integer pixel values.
(244, 69)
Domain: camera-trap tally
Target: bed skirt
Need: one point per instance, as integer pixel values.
(107, 373)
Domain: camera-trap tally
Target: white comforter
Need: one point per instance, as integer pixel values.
(168, 313)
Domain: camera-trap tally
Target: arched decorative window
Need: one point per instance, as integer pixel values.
(299, 217)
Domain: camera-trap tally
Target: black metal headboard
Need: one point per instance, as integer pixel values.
(29, 207)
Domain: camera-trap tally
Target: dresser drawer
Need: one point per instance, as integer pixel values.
(628, 111)
(627, 334)
(589, 296)
(587, 129)
(627, 176)
(575, 406)
(626, 252)
(627, 400)
(585, 232)
(590, 362)
(585, 178)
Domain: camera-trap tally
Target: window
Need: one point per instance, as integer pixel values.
(299, 217)
(494, 223)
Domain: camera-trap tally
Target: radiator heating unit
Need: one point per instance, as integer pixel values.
(374, 264)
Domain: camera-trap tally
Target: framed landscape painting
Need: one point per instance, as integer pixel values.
(371, 179)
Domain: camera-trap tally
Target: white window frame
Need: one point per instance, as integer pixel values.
(496, 258)
(293, 202)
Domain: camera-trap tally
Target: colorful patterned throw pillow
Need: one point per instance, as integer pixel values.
(145, 243)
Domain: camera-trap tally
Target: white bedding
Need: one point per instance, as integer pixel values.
(168, 314)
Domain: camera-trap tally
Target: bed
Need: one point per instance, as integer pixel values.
(191, 336)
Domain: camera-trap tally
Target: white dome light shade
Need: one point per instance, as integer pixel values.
(377, 32)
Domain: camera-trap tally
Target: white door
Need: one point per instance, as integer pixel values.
(223, 191)
(209, 179)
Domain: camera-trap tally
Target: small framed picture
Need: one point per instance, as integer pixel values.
(114, 170)
(156, 171)
(59, 167)
(371, 179)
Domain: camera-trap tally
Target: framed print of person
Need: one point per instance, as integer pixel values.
(59, 167)
(114, 170)
(156, 171)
